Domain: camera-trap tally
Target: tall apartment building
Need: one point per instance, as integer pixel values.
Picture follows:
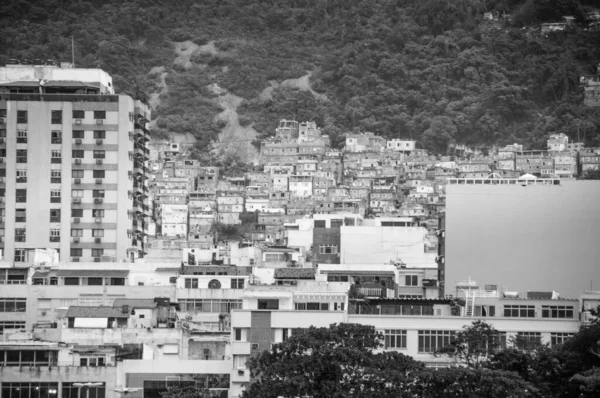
(72, 165)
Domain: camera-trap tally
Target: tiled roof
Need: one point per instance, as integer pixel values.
(135, 303)
(294, 273)
(95, 312)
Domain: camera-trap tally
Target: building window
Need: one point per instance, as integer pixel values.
(98, 213)
(274, 257)
(77, 193)
(55, 195)
(21, 195)
(534, 338)
(210, 305)
(12, 304)
(21, 155)
(54, 215)
(99, 134)
(99, 114)
(21, 175)
(115, 281)
(55, 176)
(77, 173)
(328, 249)
(411, 280)
(99, 154)
(395, 338)
(22, 117)
(10, 325)
(77, 233)
(55, 235)
(239, 361)
(76, 212)
(78, 114)
(56, 117)
(97, 252)
(20, 235)
(97, 233)
(92, 361)
(71, 281)
(519, 311)
(557, 311)
(56, 156)
(19, 255)
(20, 215)
(238, 334)
(432, 340)
(98, 193)
(311, 306)
(76, 252)
(237, 283)
(191, 283)
(78, 134)
(99, 173)
(77, 154)
(559, 338)
(56, 137)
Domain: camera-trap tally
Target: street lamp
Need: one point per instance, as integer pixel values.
(126, 390)
(88, 385)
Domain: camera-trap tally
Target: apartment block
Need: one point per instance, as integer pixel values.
(73, 164)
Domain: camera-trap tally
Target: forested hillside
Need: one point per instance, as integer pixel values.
(431, 70)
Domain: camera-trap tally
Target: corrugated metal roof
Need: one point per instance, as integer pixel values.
(135, 303)
(96, 312)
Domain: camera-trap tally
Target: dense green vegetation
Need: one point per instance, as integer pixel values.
(427, 69)
(339, 362)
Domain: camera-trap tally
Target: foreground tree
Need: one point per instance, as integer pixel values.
(472, 346)
(186, 392)
(331, 362)
(465, 382)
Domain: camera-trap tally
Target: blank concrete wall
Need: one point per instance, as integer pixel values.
(526, 238)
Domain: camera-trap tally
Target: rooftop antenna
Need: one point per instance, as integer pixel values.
(72, 51)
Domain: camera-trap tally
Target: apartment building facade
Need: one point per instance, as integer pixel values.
(74, 175)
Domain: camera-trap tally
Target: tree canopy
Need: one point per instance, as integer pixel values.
(431, 70)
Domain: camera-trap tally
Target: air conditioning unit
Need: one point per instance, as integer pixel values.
(76, 220)
(254, 346)
(78, 141)
(76, 200)
(98, 240)
(77, 161)
(97, 259)
(98, 181)
(240, 372)
(75, 259)
(98, 220)
(98, 200)
(78, 121)
(99, 161)
(75, 240)
(99, 142)
(99, 121)
(78, 181)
